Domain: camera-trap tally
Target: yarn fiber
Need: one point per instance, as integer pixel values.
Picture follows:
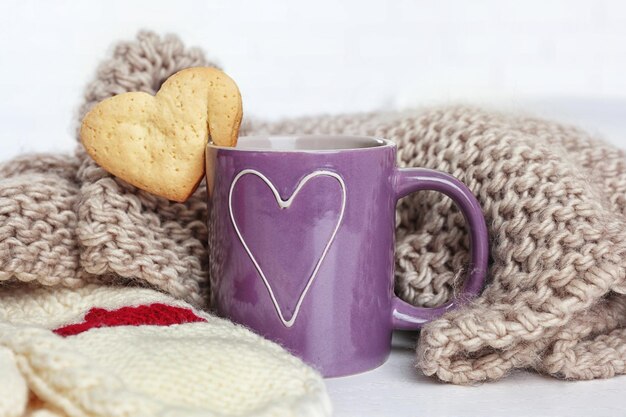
(113, 351)
(553, 196)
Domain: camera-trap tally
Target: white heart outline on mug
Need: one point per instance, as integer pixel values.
(285, 204)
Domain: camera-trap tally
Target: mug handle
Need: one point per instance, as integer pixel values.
(407, 180)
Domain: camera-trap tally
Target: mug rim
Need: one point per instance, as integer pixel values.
(377, 143)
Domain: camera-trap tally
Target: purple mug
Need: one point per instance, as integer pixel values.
(301, 238)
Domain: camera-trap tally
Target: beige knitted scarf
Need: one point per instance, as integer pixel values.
(554, 199)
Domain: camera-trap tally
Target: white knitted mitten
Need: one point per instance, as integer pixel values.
(107, 351)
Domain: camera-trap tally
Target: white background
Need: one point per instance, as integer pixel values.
(559, 59)
(564, 59)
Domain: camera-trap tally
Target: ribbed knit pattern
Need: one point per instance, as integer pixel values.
(113, 362)
(553, 196)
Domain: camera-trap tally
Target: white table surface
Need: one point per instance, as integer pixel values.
(397, 389)
(292, 58)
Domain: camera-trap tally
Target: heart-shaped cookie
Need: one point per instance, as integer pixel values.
(157, 143)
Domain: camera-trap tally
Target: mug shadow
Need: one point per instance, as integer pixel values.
(403, 359)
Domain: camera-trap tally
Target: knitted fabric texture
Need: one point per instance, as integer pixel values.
(554, 199)
(128, 351)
